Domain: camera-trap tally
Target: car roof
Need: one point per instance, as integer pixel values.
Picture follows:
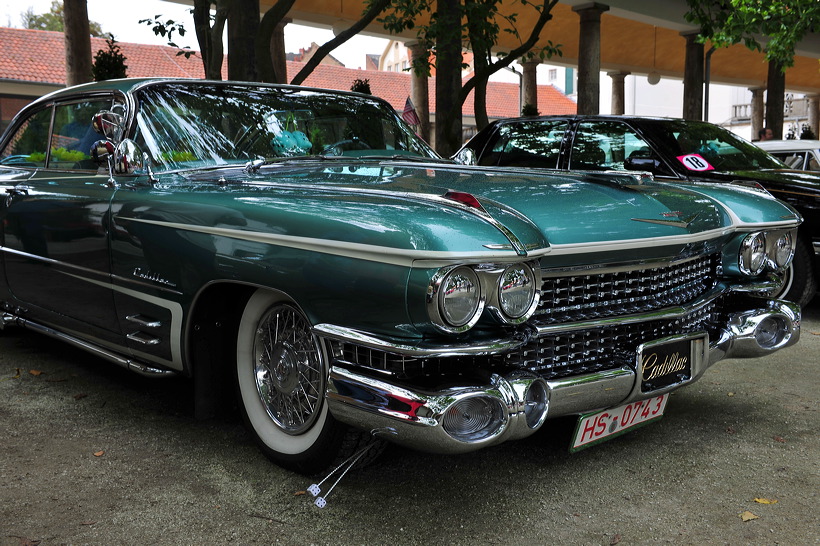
(789, 145)
(125, 85)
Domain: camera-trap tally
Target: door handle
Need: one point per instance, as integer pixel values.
(13, 192)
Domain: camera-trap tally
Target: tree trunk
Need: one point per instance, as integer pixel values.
(77, 42)
(448, 80)
(210, 37)
(264, 62)
(243, 24)
(775, 97)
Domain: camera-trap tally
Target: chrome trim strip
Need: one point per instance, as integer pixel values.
(67, 265)
(421, 348)
(628, 244)
(373, 253)
(144, 321)
(176, 323)
(601, 269)
(115, 358)
(816, 246)
(143, 338)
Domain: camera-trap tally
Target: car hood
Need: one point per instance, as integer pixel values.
(515, 209)
(804, 181)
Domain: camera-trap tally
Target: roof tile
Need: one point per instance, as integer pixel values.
(38, 56)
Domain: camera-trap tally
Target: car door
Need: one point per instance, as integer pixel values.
(55, 247)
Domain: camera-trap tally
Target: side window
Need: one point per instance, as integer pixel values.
(793, 160)
(534, 143)
(29, 143)
(813, 164)
(604, 145)
(72, 135)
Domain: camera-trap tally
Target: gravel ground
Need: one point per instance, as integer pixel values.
(91, 454)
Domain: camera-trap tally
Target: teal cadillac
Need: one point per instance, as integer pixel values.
(307, 248)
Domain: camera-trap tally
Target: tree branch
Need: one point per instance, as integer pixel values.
(543, 18)
(369, 15)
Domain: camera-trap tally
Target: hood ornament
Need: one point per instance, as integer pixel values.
(679, 222)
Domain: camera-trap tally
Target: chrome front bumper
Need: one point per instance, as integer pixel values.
(523, 401)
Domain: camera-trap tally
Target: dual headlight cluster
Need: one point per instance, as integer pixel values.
(458, 295)
(763, 250)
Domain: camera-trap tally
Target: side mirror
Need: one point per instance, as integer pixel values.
(101, 151)
(466, 156)
(109, 124)
(128, 158)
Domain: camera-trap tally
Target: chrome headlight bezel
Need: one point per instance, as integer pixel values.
(440, 303)
(752, 257)
(520, 278)
(489, 278)
(780, 247)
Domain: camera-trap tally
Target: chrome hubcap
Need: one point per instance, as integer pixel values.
(288, 369)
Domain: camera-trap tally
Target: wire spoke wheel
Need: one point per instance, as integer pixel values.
(288, 369)
(281, 378)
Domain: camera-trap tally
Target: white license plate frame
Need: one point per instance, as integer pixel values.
(596, 427)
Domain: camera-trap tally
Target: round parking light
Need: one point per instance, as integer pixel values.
(474, 419)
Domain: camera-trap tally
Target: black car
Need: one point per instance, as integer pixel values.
(673, 150)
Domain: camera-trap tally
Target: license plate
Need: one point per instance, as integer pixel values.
(594, 428)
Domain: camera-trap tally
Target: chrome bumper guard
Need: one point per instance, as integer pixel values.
(519, 403)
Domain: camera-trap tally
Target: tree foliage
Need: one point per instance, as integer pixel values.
(109, 64)
(209, 29)
(53, 20)
(166, 29)
(361, 86)
(477, 27)
(774, 27)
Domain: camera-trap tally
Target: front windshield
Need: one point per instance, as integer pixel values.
(185, 125)
(721, 149)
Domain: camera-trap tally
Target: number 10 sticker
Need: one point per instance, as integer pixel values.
(695, 162)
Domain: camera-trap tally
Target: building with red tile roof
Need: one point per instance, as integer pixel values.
(32, 63)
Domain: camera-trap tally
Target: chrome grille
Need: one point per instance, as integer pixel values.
(575, 298)
(551, 356)
(577, 352)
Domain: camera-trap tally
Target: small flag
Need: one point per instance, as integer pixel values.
(409, 114)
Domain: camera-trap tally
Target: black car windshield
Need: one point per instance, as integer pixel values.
(184, 125)
(722, 149)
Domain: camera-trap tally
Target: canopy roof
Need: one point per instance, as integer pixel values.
(637, 36)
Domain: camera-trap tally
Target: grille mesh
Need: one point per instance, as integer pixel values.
(584, 351)
(585, 297)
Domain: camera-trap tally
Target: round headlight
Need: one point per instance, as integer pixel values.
(752, 256)
(516, 291)
(460, 297)
(783, 250)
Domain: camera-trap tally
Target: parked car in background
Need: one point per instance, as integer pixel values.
(796, 154)
(672, 150)
(306, 247)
